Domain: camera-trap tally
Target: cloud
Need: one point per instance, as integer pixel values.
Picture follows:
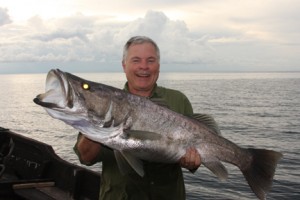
(176, 42)
(83, 38)
(4, 17)
(66, 39)
(209, 35)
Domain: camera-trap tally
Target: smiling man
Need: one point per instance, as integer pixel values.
(141, 64)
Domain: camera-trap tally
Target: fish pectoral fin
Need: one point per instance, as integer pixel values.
(142, 135)
(126, 162)
(208, 121)
(123, 165)
(217, 168)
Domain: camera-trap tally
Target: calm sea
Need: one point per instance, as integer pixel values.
(259, 110)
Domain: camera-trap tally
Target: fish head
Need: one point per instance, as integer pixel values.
(80, 103)
(58, 94)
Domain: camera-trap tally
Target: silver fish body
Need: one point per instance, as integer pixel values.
(139, 129)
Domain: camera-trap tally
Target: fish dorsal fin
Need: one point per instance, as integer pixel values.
(141, 135)
(125, 160)
(217, 168)
(208, 121)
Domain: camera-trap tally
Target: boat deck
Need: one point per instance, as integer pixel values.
(30, 169)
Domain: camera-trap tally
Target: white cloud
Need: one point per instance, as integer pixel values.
(4, 16)
(208, 34)
(82, 38)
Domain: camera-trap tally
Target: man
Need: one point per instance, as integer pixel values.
(141, 58)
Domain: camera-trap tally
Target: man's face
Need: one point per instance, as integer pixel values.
(141, 67)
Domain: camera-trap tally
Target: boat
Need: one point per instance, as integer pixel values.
(30, 169)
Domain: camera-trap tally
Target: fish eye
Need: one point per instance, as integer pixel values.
(85, 86)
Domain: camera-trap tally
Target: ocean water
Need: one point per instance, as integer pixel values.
(260, 110)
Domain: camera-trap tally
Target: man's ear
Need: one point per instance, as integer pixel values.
(123, 65)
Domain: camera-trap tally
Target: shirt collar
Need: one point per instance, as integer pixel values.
(156, 92)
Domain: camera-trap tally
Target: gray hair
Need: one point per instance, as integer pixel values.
(139, 40)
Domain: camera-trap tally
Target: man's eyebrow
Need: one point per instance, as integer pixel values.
(135, 57)
(148, 58)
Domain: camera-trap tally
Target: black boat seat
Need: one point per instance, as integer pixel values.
(40, 190)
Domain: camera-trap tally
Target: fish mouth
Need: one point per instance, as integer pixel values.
(58, 92)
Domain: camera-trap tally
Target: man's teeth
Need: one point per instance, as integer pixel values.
(143, 74)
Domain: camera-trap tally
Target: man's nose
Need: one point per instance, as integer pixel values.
(144, 64)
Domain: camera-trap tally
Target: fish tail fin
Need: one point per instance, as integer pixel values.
(259, 174)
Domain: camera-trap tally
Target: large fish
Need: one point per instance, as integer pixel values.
(139, 129)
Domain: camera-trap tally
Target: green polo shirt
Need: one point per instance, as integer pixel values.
(161, 181)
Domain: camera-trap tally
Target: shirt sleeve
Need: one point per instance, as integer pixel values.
(176, 101)
(188, 109)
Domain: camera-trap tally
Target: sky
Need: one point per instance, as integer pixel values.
(193, 35)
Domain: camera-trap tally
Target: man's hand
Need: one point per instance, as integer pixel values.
(191, 160)
(88, 149)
